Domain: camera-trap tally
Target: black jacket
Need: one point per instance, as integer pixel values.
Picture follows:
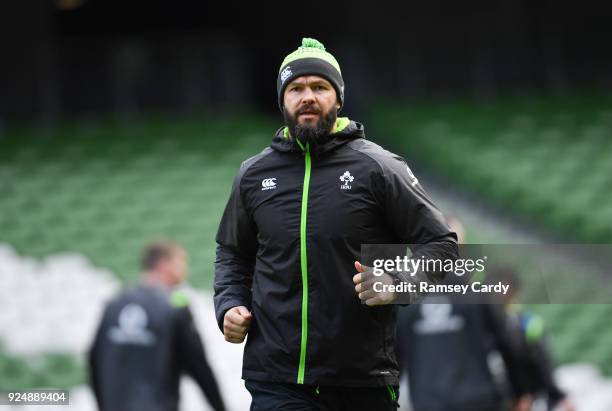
(445, 347)
(145, 340)
(291, 231)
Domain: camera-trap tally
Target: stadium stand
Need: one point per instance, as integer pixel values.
(105, 189)
(546, 160)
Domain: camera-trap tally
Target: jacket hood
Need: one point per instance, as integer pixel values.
(346, 130)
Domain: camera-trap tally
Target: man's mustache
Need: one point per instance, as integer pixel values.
(309, 109)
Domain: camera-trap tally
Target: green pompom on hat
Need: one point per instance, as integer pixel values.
(310, 58)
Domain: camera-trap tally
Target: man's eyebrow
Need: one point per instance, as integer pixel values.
(319, 82)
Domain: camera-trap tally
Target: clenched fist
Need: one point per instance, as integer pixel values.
(236, 324)
(364, 286)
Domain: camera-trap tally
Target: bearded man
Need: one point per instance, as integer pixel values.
(287, 271)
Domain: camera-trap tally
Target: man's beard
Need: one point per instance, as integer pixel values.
(309, 132)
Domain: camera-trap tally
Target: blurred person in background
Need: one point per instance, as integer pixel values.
(532, 340)
(296, 219)
(444, 348)
(147, 339)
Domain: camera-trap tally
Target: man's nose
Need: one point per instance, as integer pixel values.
(308, 96)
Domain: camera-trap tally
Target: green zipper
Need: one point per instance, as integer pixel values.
(304, 265)
(392, 393)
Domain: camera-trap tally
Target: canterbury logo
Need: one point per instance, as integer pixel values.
(285, 74)
(415, 180)
(268, 184)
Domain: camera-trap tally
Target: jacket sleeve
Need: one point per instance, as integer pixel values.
(509, 345)
(541, 364)
(192, 358)
(412, 215)
(544, 370)
(94, 365)
(235, 259)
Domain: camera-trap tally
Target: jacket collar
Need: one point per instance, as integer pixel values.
(346, 130)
